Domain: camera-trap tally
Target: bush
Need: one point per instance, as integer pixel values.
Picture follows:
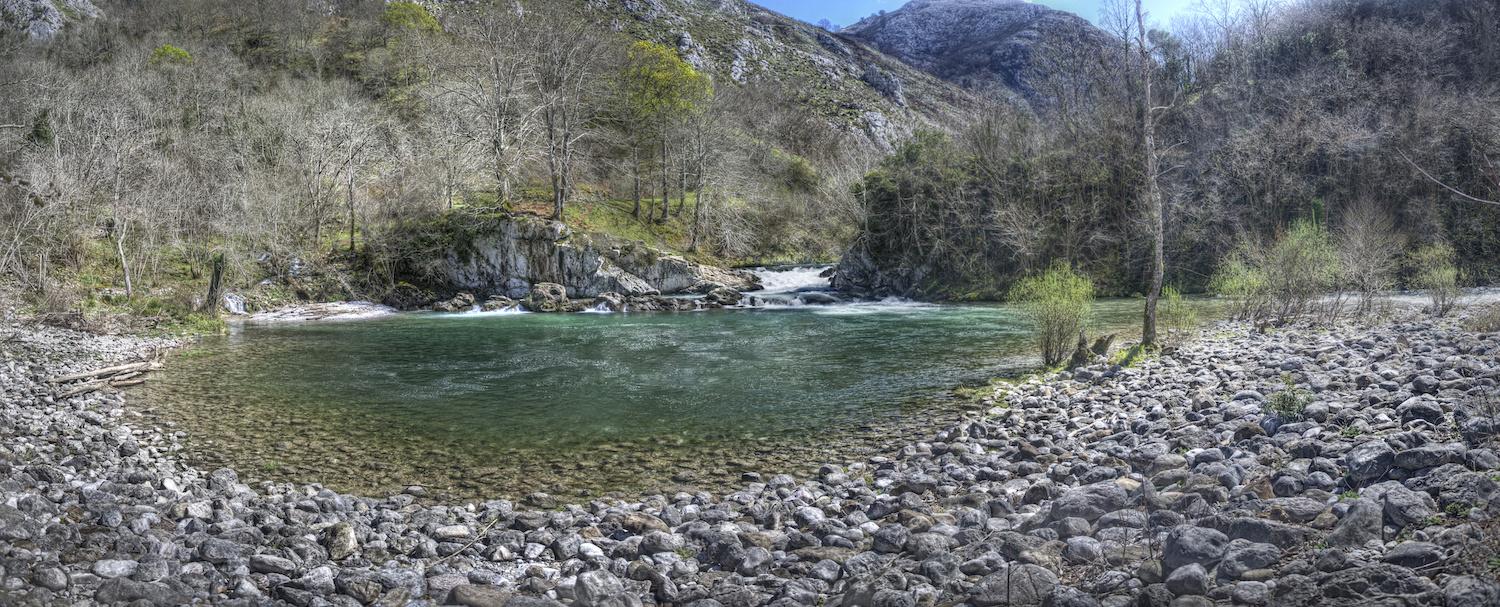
(167, 53)
(1057, 302)
(1178, 319)
(1486, 320)
(1290, 404)
(1432, 270)
(1369, 248)
(409, 15)
(1284, 279)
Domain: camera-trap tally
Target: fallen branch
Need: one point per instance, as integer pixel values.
(107, 371)
(85, 389)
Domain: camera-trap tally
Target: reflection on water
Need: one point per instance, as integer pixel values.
(506, 404)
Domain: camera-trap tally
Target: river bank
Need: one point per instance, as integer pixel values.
(1159, 484)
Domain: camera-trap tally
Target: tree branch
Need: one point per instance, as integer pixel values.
(1445, 186)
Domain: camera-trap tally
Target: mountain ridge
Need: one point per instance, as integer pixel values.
(976, 44)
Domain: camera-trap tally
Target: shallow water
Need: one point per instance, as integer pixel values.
(578, 404)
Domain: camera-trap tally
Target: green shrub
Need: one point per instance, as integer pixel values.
(409, 15)
(1283, 279)
(1290, 403)
(1177, 318)
(1057, 302)
(167, 53)
(1432, 270)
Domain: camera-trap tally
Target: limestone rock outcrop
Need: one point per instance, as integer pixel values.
(509, 256)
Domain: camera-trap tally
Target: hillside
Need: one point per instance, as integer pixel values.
(1311, 116)
(978, 44)
(825, 73)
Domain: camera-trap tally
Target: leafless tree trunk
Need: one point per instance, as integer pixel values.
(1153, 197)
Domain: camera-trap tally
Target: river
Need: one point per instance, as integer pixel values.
(581, 404)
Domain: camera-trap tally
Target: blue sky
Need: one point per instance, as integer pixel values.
(845, 12)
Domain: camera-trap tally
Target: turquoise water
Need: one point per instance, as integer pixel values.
(490, 390)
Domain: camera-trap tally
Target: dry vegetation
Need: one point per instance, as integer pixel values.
(298, 144)
(1265, 114)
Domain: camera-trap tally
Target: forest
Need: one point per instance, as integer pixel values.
(167, 142)
(1377, 122)
(139, 148)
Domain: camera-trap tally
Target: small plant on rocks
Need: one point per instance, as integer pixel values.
(1290, 403)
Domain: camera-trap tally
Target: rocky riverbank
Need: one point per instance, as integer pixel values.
(1163, 484)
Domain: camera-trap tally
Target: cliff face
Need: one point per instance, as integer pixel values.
(43, 19)
(832, 77)
(507, 256)
(977, 44)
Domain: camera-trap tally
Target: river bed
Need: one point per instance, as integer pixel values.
(576, 405)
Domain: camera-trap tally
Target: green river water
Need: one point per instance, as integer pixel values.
(501, 405)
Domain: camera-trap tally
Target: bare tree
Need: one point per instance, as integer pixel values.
(491, 93)
(567, 60)
(1153, 196)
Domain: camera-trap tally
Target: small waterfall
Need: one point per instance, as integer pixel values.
(480, 311)
(234, 303)
(791, 279)
(598, 308)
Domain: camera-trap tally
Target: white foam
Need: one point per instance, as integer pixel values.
(786, 281)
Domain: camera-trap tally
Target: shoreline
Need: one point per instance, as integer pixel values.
(1044, 495)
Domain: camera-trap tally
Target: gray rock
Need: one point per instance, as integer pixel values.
(266, 563)
(1090, 502)
(126, 590)
(532, 601)
(109, 568)
(891, 538)
(757, 561)
(339, 541)
(1064, 596)
(317, 581)
(594, 588)
(1360, 524)
(1265, 531)
(1421, 408)
(1013, 585)
(1191, 579)
(1421, 556)
(1251, 593)
(1187, 544)
(1369, 461)
(1429, 456)
(51, 578)
(1244, 555)
(1406, 507)
(1470, 591)
(1375, 580)
(219, 551)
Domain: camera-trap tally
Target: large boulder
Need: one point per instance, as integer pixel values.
(1370, 461)
(547, 297)
(513, 255)
(1090, 502)
(1013, 585)
(1187, 544)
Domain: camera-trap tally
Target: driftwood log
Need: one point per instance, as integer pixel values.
(118, 376)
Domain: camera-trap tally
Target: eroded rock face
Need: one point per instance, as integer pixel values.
(975, 43)
(512, 255)
(43, 19)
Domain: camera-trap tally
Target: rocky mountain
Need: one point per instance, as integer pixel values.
(830, 74)
(42, 19)
(977, 44)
